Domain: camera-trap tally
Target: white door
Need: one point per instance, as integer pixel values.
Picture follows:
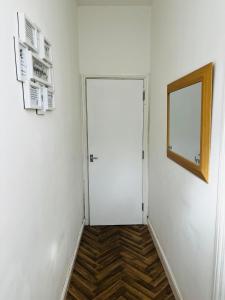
(115, 132)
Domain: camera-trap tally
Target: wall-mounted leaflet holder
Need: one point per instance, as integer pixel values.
(47, 97)
(32, 95)
(33, 53)
(50, 99)
(29, 33)
(45, 49)
(30, 67)
(38, 70)
(21, 53)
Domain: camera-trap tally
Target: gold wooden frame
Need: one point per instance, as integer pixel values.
(205, 76)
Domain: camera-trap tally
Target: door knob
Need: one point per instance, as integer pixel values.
(92, 158)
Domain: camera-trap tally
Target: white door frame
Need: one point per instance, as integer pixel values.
(85, 140)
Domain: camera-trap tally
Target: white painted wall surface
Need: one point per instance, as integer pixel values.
(182, 208)
(40, 157)
(114, 40)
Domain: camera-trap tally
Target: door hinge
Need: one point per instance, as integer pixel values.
(144, 95)
(142, 206)
(143, 154)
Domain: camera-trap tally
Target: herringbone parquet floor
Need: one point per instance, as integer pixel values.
(118, 263)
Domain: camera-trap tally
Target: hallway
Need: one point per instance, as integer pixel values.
(112, 113)
(118, 262)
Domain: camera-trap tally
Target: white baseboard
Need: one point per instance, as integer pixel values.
(165, 263)
(70, 269)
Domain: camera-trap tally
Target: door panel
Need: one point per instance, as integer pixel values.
(115, 131)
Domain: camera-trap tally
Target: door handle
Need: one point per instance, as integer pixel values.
(92, 158)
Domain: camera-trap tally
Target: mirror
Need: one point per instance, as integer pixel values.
(185, 106)
(189, 120)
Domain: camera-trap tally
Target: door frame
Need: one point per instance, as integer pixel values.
(145, 79)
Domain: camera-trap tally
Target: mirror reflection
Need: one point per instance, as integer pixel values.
(185, 122)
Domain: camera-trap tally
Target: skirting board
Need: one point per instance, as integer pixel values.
(69, 272)
(164, 261)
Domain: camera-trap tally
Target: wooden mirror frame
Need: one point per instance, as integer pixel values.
(205, 76)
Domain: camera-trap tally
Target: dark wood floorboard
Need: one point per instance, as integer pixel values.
(118, 263)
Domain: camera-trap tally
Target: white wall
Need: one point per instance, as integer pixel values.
(40, 157)
(114, 40)
(185, 35)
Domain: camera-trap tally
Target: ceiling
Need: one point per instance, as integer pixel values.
(114, 2)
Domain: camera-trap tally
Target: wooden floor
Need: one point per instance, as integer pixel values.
(118, 262)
